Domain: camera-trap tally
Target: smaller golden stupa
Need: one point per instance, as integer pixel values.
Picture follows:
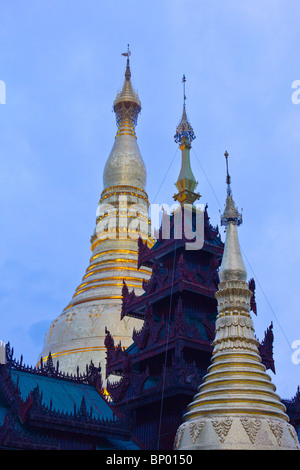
(236, 407)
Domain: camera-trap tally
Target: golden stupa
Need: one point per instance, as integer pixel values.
(77, 336)
(236, 407)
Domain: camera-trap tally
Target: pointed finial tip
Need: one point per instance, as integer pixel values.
(228, 179)
(128, 53)
(184, 97)
(231, 213)
(127, 72)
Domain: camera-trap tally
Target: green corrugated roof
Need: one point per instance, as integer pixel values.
(118, 444)
(64, 393)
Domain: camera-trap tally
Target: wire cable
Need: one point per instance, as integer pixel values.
(165, 176)
(166, 351)
(255, 276)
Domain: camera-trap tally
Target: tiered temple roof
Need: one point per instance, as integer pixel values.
(46, 409)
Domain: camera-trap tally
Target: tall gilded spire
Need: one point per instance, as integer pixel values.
(77, 336)
(232, 266)
(186, 183)
(236, 407)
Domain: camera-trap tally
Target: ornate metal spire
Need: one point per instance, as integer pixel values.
(77, 335)
(184, 129)
(186, 182)
(232, 267)
(125, 166)
(127, 105)
(230, 214)
(127, 72)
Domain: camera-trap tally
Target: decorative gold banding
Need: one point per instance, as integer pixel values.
(235, 366)
(125, 268)
(112, 278)
(115, 237)
(94, 244)
(120, 193)
(231, 411)
(104, 285)
(123, 186)
(233, 391)
(233, 400)
(116, 260)
(129, 252)
(124, 213)
(126, 128)
(125, 132)
(91, 299)
(207, 387)
(72, 351)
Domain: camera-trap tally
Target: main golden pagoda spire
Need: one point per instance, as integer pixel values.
(236, 406)
(77, 336)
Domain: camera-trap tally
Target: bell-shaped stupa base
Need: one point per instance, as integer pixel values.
(244, 432)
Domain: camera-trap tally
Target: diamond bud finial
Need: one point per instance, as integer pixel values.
(184, 129)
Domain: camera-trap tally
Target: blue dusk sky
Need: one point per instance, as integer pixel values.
(61, 66)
